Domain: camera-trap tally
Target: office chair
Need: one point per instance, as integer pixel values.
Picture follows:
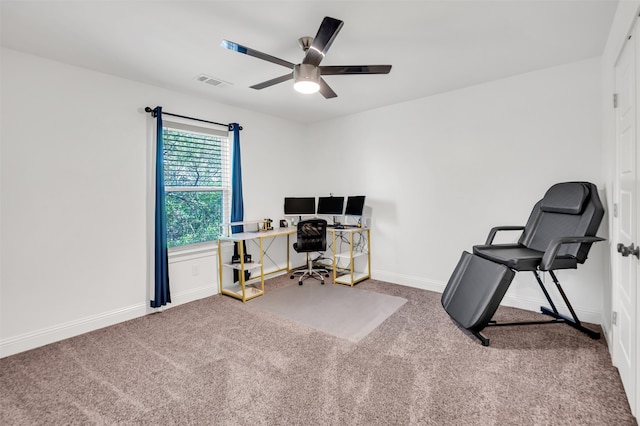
(558, 235)
(312, 237)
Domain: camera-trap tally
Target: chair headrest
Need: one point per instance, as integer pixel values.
(567, 198)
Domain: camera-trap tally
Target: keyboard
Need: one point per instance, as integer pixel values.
(342, 226)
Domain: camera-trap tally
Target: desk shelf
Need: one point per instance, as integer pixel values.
(351, 274)
(247, 266)
(347, 279)
(241, 289)
(349, 256)
(236, 291)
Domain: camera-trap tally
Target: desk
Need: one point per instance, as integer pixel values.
(357, 250)
(241, 291)
(342, 274)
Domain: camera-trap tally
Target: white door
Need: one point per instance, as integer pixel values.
(625, 293)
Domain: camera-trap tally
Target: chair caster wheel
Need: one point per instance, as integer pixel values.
(291, 277)
(327, 275)
(322, 282)
(300, 283)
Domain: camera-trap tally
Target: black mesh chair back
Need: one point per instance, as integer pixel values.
(312, 237)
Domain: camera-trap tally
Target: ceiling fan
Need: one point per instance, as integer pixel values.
(307, 75)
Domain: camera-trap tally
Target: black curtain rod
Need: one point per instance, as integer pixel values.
(153, 112)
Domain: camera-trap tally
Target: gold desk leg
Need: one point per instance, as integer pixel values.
(241, 251)
(220, 264)
(262, 267)
(368, 253)
(288, 258)
(351, 255)
(335, 264)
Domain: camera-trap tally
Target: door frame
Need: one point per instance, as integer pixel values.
(615, 288)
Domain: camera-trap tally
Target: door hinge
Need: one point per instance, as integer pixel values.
(615, 100)
(615, 209)
(614, 318)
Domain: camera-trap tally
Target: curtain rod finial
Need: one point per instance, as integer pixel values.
(153, 111)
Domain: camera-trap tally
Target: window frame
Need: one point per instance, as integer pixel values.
(225, 188)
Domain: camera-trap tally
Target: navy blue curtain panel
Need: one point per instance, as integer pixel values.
(237, 204)
(162, 294)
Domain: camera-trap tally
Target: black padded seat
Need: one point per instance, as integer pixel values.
(521, 258)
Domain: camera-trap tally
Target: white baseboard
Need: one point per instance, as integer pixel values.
(193, 295)
(409, 281)
(533, 304)
(55, 333)
(45, 336)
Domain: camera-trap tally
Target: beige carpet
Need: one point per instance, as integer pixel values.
(347, 312)
(218, 361)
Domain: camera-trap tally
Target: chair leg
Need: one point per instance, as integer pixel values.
(574, 321)
(553, 312)
(320, 267)
(310, 272)
(305, 271)
(484, 340)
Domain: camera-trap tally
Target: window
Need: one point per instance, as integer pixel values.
(197, 183)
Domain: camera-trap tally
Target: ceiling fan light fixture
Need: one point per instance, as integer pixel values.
(306, 78)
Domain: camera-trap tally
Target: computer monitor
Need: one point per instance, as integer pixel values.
(355, 205)
(299, 206)
(330, 205)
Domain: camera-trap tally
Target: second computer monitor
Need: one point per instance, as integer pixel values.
(355, 205)
(333, 206)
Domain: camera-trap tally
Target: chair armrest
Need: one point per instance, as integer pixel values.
(494, 231)
(554, 245)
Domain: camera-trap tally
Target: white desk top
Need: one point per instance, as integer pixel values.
(276, 232)
(242, 236)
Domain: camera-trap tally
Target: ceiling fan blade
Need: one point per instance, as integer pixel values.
(322, 41)
(326, 91)
(272, 81)
(355, 69)
(256, 54)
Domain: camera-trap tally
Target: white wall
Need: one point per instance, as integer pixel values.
(439, 172)
(74, 176)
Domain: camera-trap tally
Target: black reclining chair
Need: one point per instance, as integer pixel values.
(558, 235)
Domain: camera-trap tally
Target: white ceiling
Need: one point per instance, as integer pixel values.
(434, 46)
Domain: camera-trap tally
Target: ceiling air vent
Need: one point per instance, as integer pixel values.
(212, 81)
